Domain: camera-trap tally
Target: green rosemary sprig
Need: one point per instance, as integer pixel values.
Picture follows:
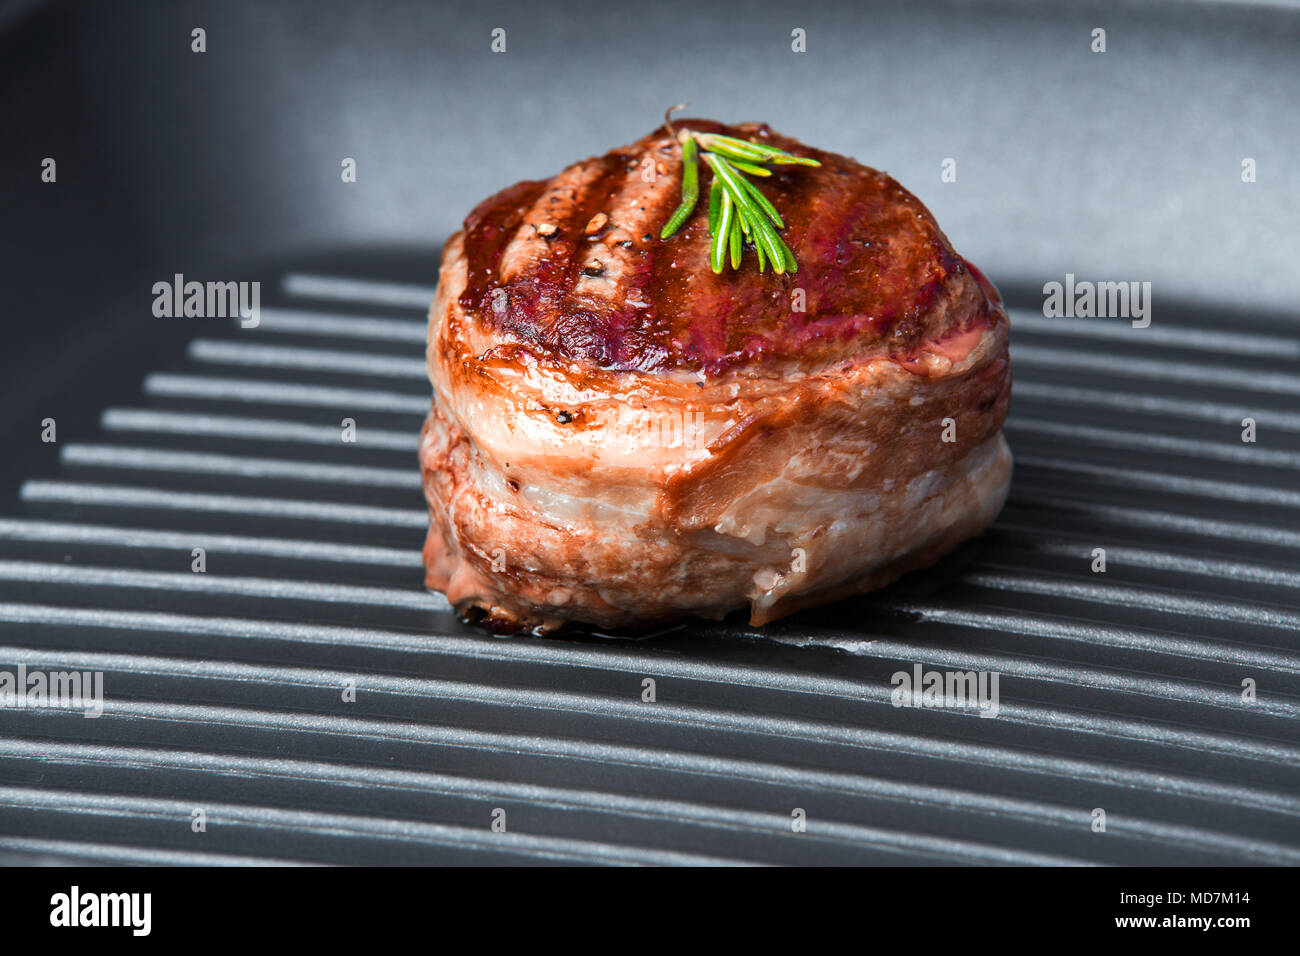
(738, 212)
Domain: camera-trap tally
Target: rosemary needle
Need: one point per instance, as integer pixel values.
(751, 168)
(690, 189)
(718, 250)
(737, 240)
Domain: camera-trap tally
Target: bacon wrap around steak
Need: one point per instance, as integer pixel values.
(620, 437)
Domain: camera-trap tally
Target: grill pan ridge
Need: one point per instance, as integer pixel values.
(224, 690)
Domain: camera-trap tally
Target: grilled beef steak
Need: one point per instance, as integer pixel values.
(621, 437)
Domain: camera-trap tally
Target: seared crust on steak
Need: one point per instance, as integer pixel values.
(646, 440)
(874, 267)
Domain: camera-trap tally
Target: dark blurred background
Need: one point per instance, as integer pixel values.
(1122, 165)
